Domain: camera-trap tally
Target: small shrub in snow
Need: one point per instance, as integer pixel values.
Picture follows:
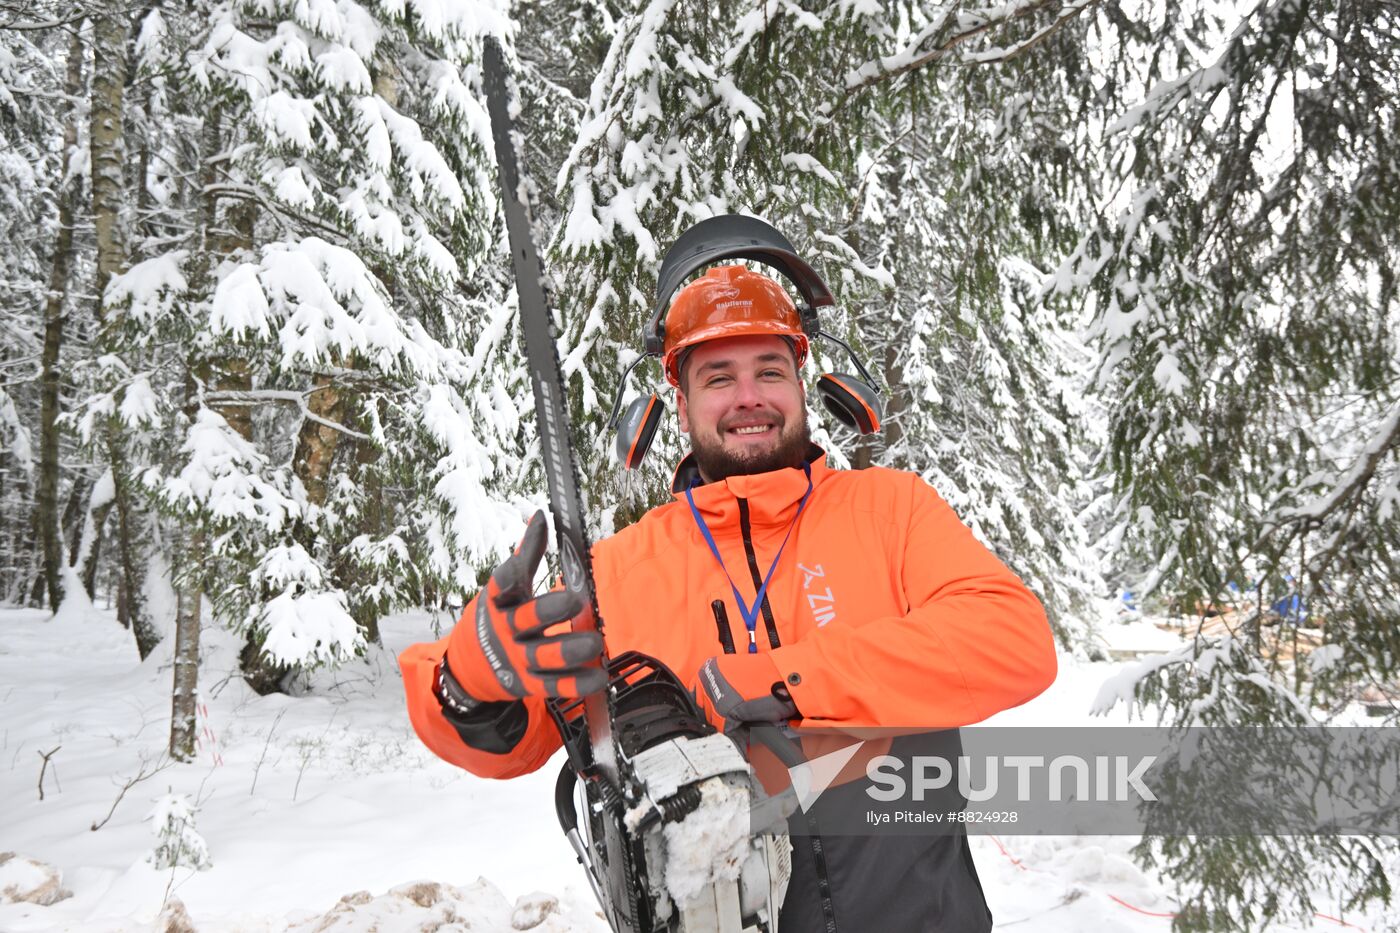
(179, 845)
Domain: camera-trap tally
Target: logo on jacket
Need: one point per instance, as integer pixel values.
(823, 604)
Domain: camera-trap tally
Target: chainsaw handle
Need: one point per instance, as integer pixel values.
(564, 798)
(771, 737)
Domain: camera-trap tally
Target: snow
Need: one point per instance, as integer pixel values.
(286, 119)
(1382, 436)
(139, 404)
(290, 185)
(1168, 376)
(801, 162)
(240, 306)
(482, 527)
(419, 156)
(20, 874)
(223, 476)
(343, 69)
(308, 628)
(739, 103)
(150, 287)
(582, 231)
(302, 802)
(711, 843)
(325, 812)
(179, 844)
(1138, 636)
(18, 435)
(323, 298)
(1324, 657)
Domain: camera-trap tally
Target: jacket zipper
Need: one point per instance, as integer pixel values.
(726, 637)
(823, 875)
(746, 531)
(818, 848)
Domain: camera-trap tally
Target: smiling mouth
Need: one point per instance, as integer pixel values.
(752, 430)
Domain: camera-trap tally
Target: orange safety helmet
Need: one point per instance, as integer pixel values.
(729, 301)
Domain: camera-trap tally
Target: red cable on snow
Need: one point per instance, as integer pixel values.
(1145, 913)
(1014, 860)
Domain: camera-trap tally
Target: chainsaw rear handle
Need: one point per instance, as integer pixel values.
(568, 820)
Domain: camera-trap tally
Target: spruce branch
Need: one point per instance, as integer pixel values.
(887, 68)
(1357, 478)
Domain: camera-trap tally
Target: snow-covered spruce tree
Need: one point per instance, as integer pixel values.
(1243, 269)
(30, 174)
(47, 314)
(179, 844)
(964, 192)
(793, 113)
(312, 331)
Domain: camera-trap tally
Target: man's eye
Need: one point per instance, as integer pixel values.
(772, 373)
(716, 381)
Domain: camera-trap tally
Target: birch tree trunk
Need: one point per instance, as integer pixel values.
(108, 150)
(108, 142)
(184, 694)
(54, 315)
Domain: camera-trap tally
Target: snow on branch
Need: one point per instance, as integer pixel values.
(441, 19)
(848, 256)
(307, 622)
(967, 25)
(148, 290)
(178, 845)
(1358, 475)
(481, 525)
(1216, 660)
(223, 477)
(306, 629)
(323, 303)
(20, 444)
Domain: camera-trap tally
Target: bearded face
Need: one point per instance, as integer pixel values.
(743, 405)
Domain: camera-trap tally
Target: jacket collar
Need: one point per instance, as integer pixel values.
(772, 497)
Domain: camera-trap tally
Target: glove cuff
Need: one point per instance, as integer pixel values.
(450, 694)
(741, 688)
(752, 675)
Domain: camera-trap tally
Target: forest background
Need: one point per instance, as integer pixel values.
(1126, 271)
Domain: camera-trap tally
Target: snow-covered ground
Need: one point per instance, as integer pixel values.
(306, 801)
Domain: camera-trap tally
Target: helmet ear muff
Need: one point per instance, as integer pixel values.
(636, 428)
(851, 400)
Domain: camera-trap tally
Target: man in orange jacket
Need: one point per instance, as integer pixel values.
(782, 590)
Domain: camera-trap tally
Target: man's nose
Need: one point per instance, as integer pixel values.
(746, 392)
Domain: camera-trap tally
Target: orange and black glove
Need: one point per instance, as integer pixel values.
(504, 650)
(734, 689)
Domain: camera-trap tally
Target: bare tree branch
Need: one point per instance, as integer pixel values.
(45, 767)
(148, 770)
(291, 396)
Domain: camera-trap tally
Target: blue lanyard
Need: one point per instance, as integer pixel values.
(750, 613)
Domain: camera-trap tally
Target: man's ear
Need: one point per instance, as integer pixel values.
(682, 412)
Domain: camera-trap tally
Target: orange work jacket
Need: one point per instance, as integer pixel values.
(883, 610)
